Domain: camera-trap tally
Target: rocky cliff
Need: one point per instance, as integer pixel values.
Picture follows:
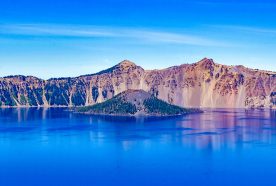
(202, 84)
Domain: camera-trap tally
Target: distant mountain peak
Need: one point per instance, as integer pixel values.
(126, 63)
(206, 61)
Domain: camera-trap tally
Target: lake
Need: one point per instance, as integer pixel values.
(57, 147)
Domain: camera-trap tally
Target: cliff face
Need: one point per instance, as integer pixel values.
(202, 84)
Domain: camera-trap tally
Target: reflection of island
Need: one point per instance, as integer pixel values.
(214, 130)
(135, 103)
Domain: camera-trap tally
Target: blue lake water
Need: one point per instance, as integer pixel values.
(56, 147)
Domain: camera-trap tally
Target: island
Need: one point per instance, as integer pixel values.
(136, 103)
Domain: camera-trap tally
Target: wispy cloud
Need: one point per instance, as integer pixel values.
(54, 30)
(167, 37)
(146, 35)
(248, 29)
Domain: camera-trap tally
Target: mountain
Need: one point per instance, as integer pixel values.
(135, 102)
(202, 84)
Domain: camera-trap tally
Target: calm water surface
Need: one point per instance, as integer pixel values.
(56, 147)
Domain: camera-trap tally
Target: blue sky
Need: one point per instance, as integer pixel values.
(50, 38)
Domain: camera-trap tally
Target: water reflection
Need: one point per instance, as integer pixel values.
(213, 130)
(56, 147)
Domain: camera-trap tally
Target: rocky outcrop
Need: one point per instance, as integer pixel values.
(202, 84)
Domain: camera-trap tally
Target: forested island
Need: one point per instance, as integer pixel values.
(135, 103)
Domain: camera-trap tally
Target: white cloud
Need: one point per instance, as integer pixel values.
(54, 30)
(146, 35)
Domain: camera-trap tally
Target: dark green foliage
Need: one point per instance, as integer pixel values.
(57, 95)
(14, 91)
(2, 98)
(95, 93)
(10, 102)
(8, 99)
(23, 100)
(273, 98)
(241, 79)
(112, 106)
(122, 105)
(39, 93)
(78, 99)
(157, 106)
(104, 93)
(31, 99)
(9, 95)
(154, 92)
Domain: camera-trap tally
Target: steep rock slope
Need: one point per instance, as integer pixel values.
(202, 84)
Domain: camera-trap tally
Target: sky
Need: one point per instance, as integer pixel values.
(67, 38)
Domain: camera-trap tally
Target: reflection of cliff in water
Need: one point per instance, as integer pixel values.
(230, 129)
(213, 130)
